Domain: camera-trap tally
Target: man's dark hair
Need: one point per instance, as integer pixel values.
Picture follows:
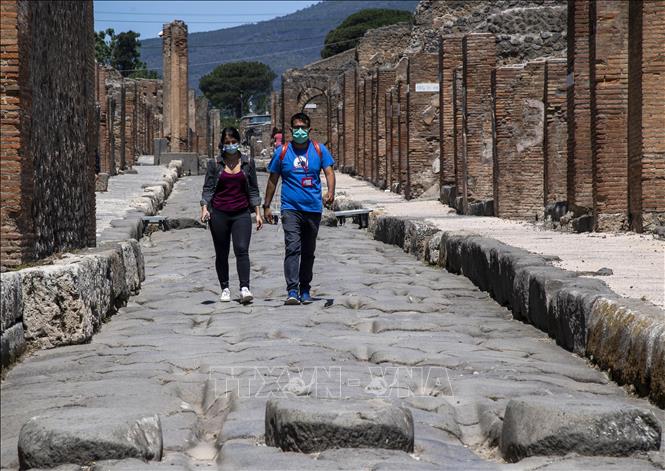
(300, 117)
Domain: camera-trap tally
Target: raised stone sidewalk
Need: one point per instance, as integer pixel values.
(65, 299)
(553, 280)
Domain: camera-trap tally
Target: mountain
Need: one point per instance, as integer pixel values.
(285, 42)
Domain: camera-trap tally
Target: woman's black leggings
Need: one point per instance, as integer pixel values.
(227, 226)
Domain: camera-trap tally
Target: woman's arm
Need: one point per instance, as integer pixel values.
(209, 183)
(254, 193)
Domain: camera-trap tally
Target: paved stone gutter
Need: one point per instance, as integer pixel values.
(66, 301)
(622, 335)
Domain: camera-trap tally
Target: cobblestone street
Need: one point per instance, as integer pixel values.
(384, 326)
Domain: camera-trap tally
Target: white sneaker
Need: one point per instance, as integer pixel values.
(226, 295)
(245, 295)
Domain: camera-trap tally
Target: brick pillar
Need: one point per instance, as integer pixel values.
(450, 59)
(556, 132)
(385, 79)
(388, 138)
(202, 124)
(479, 59)
(215, 133)
(191, 119)
(403, 136)
(646, 139)
(373, 122)
(580, 176)
(107, 162)
(423, 79)
(459, 146)
(175, 70)
(520, 124)
(360, 127)
(609, 113)
(131, 122)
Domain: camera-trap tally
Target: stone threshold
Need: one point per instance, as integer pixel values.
(623, 336)
(66, 302)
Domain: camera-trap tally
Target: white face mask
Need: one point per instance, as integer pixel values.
(231, 148)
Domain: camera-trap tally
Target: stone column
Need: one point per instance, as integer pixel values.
(215, 131)
(423, 79)
(646, 139)
(349, 110)
(385, 79)
(191, 119)
(518, 156)
(202, 124)
(609, 113)
(450, 58)
(479, 59)
(556, 132)
(580, 175)
(175, 71)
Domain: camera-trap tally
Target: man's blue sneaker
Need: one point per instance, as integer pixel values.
(292, 298)
(305, 298)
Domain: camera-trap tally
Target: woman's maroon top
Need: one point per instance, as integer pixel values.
(231, 193)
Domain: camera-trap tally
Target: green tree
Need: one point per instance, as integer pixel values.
(122, 52)
(230, 86)
(349, 32)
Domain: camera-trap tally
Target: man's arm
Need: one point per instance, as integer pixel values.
(270, 192)
(330, 181)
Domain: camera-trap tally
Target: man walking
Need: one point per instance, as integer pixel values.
(299, 163)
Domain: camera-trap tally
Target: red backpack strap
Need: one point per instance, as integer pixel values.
(317, 147)
(285, 148)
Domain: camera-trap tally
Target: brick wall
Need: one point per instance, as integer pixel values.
(450, 58)
(131, 122)
(214, 133)
(47, 165)
(580, 175)
(175, 71)
(478, 61)
(423, 122)
(609, 113)
(106, 103)
(556, 132)
(191, 120)
(518, 157)
(459, 146)
(646, 139)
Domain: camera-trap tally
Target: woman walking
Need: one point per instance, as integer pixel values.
(230, 193)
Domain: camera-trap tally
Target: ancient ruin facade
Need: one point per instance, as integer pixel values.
(48, 163)
(518, 108)
(176, 89)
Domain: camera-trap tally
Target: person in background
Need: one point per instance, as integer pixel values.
(299, 164)
(277, 137)
(230, 192)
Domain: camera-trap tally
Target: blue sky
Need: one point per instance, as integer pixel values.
(147, 17)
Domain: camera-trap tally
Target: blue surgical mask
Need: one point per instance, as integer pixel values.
(300, 136)
(230, 148)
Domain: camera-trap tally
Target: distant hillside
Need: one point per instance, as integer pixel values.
(277, 42)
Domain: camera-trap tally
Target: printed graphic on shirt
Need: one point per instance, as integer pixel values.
(300, 162)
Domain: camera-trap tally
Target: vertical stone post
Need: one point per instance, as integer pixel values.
(360, 128)
(215, 132)
(175, 70)
(609, 113)
(646, 139)
(479, 59)
(459, 140)
(385, 79)
(580, 174)
(556, 132)
(202, 125)
(423, 79)
(191, 119)
(520, 125)
(450, 58)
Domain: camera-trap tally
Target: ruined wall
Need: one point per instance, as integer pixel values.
(524, 29)
(518, 156)
(175, 70)
(382, 46)
(49, 129)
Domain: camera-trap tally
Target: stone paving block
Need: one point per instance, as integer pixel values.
(558, 425)
(309, 425)
(82, 436)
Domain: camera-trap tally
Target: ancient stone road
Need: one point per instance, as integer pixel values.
(384, 326)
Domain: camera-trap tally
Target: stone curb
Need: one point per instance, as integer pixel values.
(66, 302)
(623, 336)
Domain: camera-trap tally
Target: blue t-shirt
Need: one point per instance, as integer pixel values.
(293, 169)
